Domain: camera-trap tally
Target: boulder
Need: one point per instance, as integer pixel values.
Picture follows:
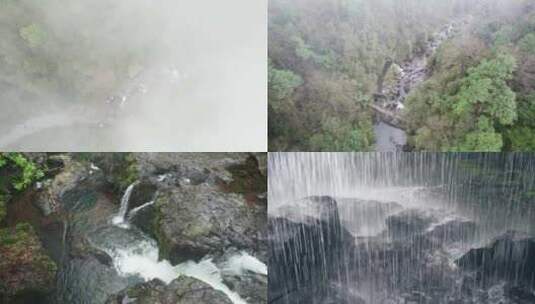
(184, 290)
(205, 203)
(409, 222)
(252, 287)
(307, 248)
(455, 230)
(243, 275)
(59, 189)
(191, 222)
(511, 256)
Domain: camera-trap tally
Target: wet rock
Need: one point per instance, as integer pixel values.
(408, 222)
(307, 248)
(184, 290)
(26, 272)
(85, 279)
(205, 204)
(56, 191)
(510, 256)
(331, 294)
(252, 287)
(191, 222)
(455, 230)
(519, 295)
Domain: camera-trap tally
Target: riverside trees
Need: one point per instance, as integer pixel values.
(329, 56)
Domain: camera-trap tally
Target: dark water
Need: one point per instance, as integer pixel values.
(402, 228)
(413, 73)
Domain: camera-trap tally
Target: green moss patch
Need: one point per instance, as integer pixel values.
(24, 267)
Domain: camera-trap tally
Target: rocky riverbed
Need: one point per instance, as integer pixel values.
(399, 80)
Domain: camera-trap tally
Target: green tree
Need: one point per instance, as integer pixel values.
(33, 34)
(484, 138)
(281, 85)
(339, 136)
(485, 91)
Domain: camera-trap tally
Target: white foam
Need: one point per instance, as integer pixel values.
(208, 272)
(241, 262)
(141, 259)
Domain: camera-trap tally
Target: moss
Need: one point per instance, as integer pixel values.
(247, 179)
(159, 236)
(24, 267)
(124, 170)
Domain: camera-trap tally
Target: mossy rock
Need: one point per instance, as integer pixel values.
(25, 270)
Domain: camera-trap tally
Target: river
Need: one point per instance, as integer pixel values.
(389, 137)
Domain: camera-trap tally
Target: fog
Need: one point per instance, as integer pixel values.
(133, 75)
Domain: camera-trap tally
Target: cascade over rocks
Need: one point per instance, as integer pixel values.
(204, 204)
(183, 290)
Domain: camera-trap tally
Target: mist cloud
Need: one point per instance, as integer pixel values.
(133, 75)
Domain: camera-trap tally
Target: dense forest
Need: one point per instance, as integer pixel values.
(331, 62)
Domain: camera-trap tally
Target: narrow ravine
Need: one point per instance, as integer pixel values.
(389, 107)
(139, 257)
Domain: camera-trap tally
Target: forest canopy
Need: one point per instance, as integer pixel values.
(329, 59)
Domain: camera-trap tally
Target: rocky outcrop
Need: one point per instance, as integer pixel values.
(193, 221)
(205, 204)
(26, 272)
(510, 256)
(455, 230)
(55, 191)
(184, 290)
(408, 222)
(307, 246)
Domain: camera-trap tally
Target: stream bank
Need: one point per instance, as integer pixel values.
(398, 81)
(174, 228)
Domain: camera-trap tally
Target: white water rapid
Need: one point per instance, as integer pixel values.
(135, 254)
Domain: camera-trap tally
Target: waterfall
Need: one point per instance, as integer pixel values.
(134, 211)
(400, 227)
(119, 219)
(139, 256)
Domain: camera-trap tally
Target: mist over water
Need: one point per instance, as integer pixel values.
(133, 75)
(402, 228)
